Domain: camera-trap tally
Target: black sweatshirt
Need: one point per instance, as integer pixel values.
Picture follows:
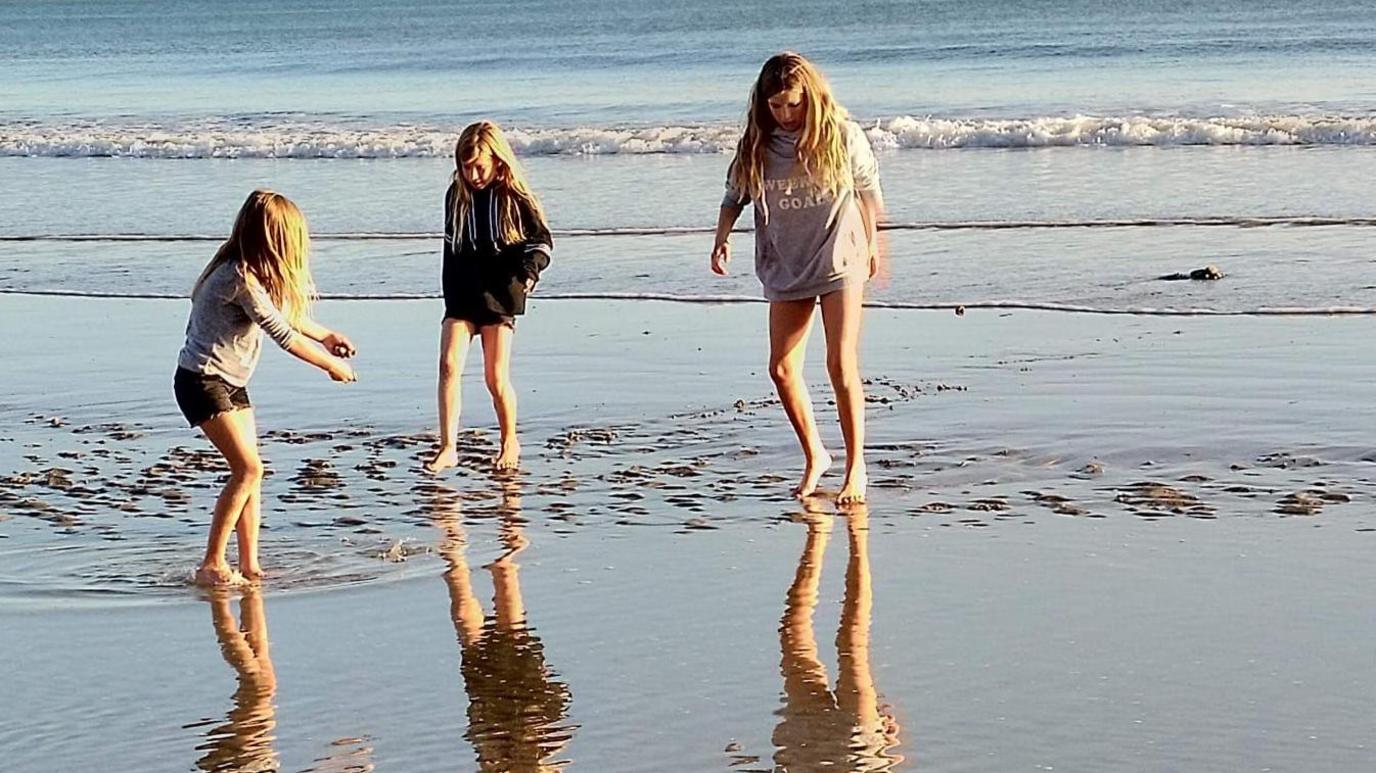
(482, 274)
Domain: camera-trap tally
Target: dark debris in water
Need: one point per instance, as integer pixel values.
(1151, 499)
(356, 501)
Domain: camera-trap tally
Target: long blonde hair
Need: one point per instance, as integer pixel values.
(821, 147)
(487, 135)
(272, 245)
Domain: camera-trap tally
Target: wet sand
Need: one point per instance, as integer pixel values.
(1092, 544)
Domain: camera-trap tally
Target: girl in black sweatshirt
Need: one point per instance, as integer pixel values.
(496, 243)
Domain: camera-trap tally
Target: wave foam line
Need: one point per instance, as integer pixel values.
(1123, 131)
(1149, 311)
(956, 225)
(319, 138)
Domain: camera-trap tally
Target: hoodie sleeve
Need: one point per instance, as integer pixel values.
(735, 198)
(864, 168)
(254, 300)
(537, 246)
(449, 228)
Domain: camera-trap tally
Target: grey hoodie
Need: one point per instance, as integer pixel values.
(224, 336)
(808, 243)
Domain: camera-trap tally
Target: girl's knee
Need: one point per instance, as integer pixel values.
(844, 371)
(497, 383)
(449, 366)
(248, 470)
(782, 371)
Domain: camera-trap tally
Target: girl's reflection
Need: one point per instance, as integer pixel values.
(244, 742)
(516, 707)
(820, 728)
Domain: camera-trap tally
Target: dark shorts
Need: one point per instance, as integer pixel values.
(202, 396)
(480, 317)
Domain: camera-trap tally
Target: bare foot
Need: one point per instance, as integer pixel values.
(853, 489)
(444, 458)
(818, 462)
(510, 456)
(251, 573)
(217, 575)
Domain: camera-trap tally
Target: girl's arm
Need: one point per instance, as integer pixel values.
(865, 176)
(536, 247)
(254, 300)
(333, 341)
(260, 308)
(449, 224)
(305, 351)
(871, 211)
(732, 204)
(721, 244)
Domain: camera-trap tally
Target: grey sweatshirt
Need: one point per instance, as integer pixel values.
(808, 243)
(224, 336)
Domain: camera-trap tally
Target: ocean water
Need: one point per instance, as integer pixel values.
(1048, 153)
(1098, 542)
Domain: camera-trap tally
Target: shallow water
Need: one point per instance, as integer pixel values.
(1018, 413)
(1068, 643)
(1115, 548)
(1099, 543)
(1078, 228)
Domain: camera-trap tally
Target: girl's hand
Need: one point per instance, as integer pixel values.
(721, 255)
(339, 345)
(340, 370)
(879, 260)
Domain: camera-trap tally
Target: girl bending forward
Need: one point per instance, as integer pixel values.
(496, 244)
(259, 280)
(814, 183)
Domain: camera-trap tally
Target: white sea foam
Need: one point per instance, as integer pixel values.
(272, 137)
(297, 139)
(1114, 131)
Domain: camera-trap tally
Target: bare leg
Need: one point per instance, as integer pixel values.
(508, 606)
(464, 608)
(497, 372)
(250, 518)
(455, 335)
(855, 689)
(233, 434)
(841, 312)
(507, 600)
(245, 741)
(789, 324)
(805, 677)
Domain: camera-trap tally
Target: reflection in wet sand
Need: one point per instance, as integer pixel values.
(516, 707)
(345, 755)
(244, 741)
(820, 728)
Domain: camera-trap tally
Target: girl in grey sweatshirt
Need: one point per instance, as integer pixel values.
(814, 183)
(259, 280)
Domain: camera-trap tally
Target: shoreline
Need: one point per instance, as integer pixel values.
(957, 307)
(978, 420)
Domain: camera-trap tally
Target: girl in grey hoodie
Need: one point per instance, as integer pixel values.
(814, 183)
(259, 281)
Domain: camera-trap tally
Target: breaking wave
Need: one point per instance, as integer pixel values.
(275, 137)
